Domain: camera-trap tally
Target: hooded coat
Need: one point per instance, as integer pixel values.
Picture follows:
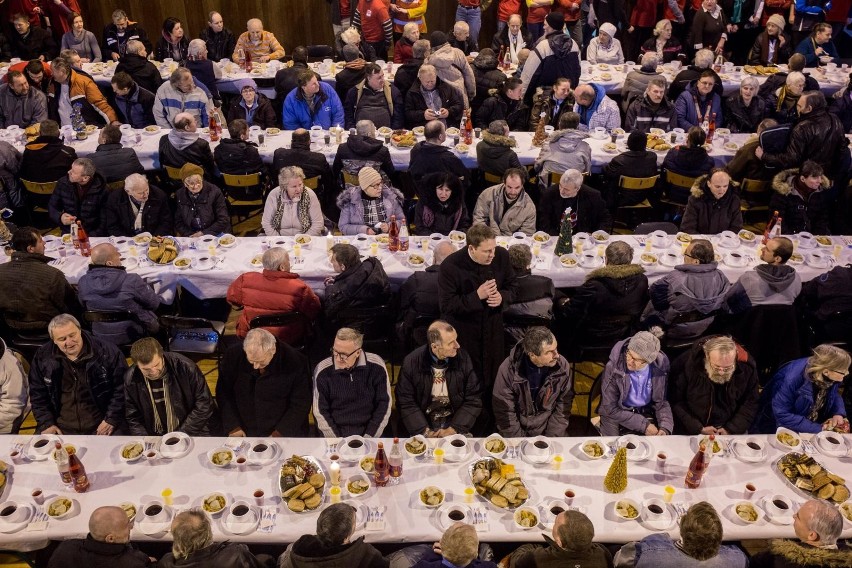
(495, 154)
(798, 213)
(487, 76)
(15, 403)
(351, 205)
(217, 555)
(40, 293)
(817, 136)
(180, 147)
(706, 215)
(433, 216)
(794, 554)
(113, 288)
(826, 294)
(690, 161)
(140, 70)
(115, 162)
(498, 106)
(406, 74)
(555, 55)
(359, 151)
(686, 113)
(544, 102)
(452, 68)
(237, 157)
(429, 157)
(742, 118)
(593, 555)
(602, 112)
(564, 150)
(767, 284)
(642, 116)
(360, 286)
(45, 159)
(310, 552)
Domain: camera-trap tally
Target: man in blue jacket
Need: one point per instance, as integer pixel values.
(312, 103)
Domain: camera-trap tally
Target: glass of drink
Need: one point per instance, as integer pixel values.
(167, 496)
(334, 492)
(439, 456)
(258, 497)
(38, 496)
(668, 493)
(569, 496)
(748, 491)
(374, 249)
(477, 132)
(469, 492)
(557, 462)
(261, 139)
(578, 247)
(327, 139)
(297, 250)
(536, 249)
(62, 251)
(424, 244)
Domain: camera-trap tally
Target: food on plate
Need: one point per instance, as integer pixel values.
(717, 447)
(59, 507)
(162, 250)
(526, 519)
(603, 66)
(495, 445)
(385, 131)
(504, 488)
(606, 76)
(419, 130)
(760, 70)
(684, 238)
(824, 241)
(808, 475)
(90, 128)
(746, 512)
(404, 138)
(787, 439)
(213, 503)
(383, 239)
(416, 259)
(618, 131)
(600, 237)
(649, 258)
(458, 237)
(272, 132)
(746, 235)
(303, 239)
(223, 457)
(415, 446)
(610, 147)
(657, 144)
(357, 486)
(568, 262)
(462, 148)
(183, 262)
(541, 237)
(796, 257)
(730, 146)
(593, 449)
(132, 450)
(152, 128)
(846, 511)
(302, 484)
(626, 510)
(452, 131)
(257, 260)
(368, 464)
(227, 240)
(138, 239)
(431, 496)
(129, 509)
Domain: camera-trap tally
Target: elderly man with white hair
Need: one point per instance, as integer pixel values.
(140, 208)
(461, 39)
(745, 109)
(260, 45)
(203, 69)
(180, 95)
(107, 544)
(782, 103)
(588, 208)
(292, 208)
(264, 388)
(80, 196)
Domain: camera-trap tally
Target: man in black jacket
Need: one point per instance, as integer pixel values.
(119, 33)
(112, 160)
(418, 296)
(352, 73)
(166, 392)
(455, 406)
(287, 79)
(133, 104)
(313, 164)
(193, 546)
(75, 382)
(588, 209)
(106, 546)
(237, 154)
(184, 144)
(362, 149)
(135, 63)
(31, 42)
(520, 38)
(80, 196)
(46, 158)
(432, 156)
(220, 40)
(357, 283)
(713, 388)
(555, 55)
(140, 208)
(406, 73)
(430, 99)
(264, 388)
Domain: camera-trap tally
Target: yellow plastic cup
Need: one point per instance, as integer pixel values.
(374, 249)
(439, 455)
(469, 492)
(668, 493)
(837, 250)
(329, 242)
(536, 250)
(578, 247)
(167, 496)
(297, 250)
(557, 462)
(335, 492)
(424, 244)
(648, 245)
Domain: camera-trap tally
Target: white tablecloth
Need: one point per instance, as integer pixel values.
(406, 520)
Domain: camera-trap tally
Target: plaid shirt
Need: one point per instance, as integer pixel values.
(374, 212)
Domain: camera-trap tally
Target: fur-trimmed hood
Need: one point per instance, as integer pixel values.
(806, 555)
(616, 271)
(699, 189)
(782, 183)
(498, 139)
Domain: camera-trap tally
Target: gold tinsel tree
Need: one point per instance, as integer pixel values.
(616, 478)
(540, 136)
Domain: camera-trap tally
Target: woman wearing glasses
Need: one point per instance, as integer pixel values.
(200, 206)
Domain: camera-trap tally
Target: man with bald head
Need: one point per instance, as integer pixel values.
(260, 45)
(596, 108)
(106, 546)
(571, 545)
(183, 144)
(108, 286)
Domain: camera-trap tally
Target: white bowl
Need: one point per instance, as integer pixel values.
(419, 438)
(516, 517)
(227, 240)
(497, 437)
(541, 238)
(49, 504)
(304, 240)
(746, 504)
(357, 477)
(221, 450)
(569, 261)
(796, 443)
(600, 237)
(128, 445)
(223, 498)
(630, 502)
(433, 488)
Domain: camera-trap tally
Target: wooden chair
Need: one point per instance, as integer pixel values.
(312, 183)
(243, 192)
(627, 184)
(116, 185)
(350, 179)
(38, 194)
(491, 178)
(679, 181)
(754, 195)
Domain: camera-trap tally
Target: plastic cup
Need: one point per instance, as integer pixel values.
(647, 245)
(837, 250)
(17, 456)
(439, 455)
(469, 492)
(578, 247)
(557, 462)
(748, 491)
(374, 249)
(569, 496)
(297, 250)
(335, 492)
(536, 249)
(258, 497)
(167, 496)
(38, 495)
(424, 244)
(601, 250)
(668, 493)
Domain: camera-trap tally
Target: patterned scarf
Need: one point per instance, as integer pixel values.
(303, 210)
(171, 421)
(374, 211)
(821, 387)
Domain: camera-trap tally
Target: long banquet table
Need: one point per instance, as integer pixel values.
(406, 520)
(314, 267)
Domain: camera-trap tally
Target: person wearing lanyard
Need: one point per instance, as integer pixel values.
(470, 11)
(699, 103)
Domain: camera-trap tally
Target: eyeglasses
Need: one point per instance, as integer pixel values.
(636, 360)
(343, 356)
(719, 369)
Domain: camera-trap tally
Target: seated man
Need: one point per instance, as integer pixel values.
(40, 291)
(80, 196)
(633, 389)
(332, 543)
(166, 392)
(108, 286)
(237, 154)
(513, 37)
(220, 41)
(275, 290)
(607, 305)
(430, 155)
(21, 104)
(565, 149)
(684, 302)
(418, 111)
(107, 544)
(827, 295)
(264, 388)
(36, 71)
(362, 149)
(570, 545)
(193, 546)
(352, 393)
(46, 158)
(135, 63)
(418, 295)
(459, 546)
(183, 144)
(15, 400)
(495, 152)
(713, 205)
(374, 99)
(70, 88)
(772, 283)
(312, 103)
(700, 544)
(357, 283)
(651, 110)
(112, 160)
(817, 525)
(438, 393)
(533, 294)
(140, 208)
(406, 73)
(31, 42)
(351, 75)
(638, 162)
(260, 45)
(313, 164)
(699, 102)
(181, 95)
(286, 77)
(118, 34)
(713, 388)
(595, 108)
(506, 207)
(534, 388)
(803, 198)
(76, 382)
(745, 165)
(460, 38)
(252, 106)
(588, 209)
(134, 104)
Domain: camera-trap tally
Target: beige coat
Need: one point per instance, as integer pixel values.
(452, 67)
(519, 217)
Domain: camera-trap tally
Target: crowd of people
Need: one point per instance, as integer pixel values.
(472, 366)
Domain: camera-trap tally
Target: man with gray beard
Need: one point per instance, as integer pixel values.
(713, 388)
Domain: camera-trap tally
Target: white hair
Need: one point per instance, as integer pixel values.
(274, 258)
(704, 58)
(59, 321)
(135, 181)
(259, 340)
(572, 177)
(750, 81)
(795, 77)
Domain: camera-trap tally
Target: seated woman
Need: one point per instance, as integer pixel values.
(251, 106)
(505, 102)
(802, 199)
(402, 49)
(699, 102)
(782, 103)
(666, 47)
(533, 293)
(803, 395)
(772, 46)
(441, 207)
(745, 110)
(604, 48)
(818, 45)
(200, 206)
(291, 208)
(368, 207)
(712, 207)
(633, 389)
(690, 160)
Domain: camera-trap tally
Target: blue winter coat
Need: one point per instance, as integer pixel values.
(807, 47)
(296, 113)
(685, 114)
(788, 399)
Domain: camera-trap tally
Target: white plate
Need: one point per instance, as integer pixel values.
(241, 528)
(736, 259)
(641, 452)
(603, 446)
(670, 259)
(229, 244)
(166, 450)
(821, 441)
(784, 447)
(728, 239)
(201, 501)
(696, 439)
(777, 519)
(590, 261)
(352, 455)
(527, 447)
(14, 527)
(444, 514)
(495, 437)
(738, 448)
(664, 521)
(276, 451)
(150, 528)
(131, 460)
(35, 456)
(129, 262)
(203, 265)
(818, 260)
(451, 453)
(64, 515)
(636, 505)
(221, 449)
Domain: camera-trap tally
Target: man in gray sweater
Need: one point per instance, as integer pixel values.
(20, 104)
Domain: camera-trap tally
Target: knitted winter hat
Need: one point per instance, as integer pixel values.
(778, 20)
(437, 39)
(555, 20)
(645, 345)
(368, 176)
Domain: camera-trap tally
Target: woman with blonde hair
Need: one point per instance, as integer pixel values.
(664, 44)
(803, 395)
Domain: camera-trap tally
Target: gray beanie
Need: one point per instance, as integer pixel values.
(645, 345)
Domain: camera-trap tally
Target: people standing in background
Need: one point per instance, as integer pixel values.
(408, 11)
(372, 19)
(537, 11)
(470, 11)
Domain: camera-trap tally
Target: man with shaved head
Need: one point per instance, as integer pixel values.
(106, 546)
(260, 45)
(108, 286)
